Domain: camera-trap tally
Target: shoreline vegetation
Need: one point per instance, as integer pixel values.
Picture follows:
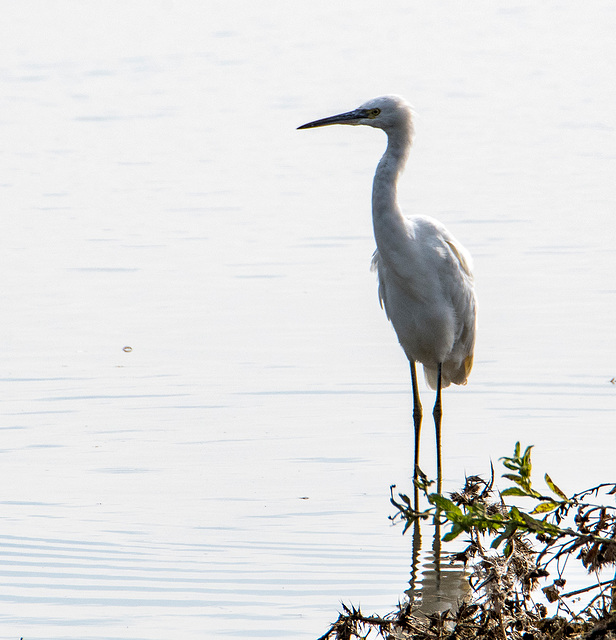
(516, 559)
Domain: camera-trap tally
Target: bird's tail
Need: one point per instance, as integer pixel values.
(450, 372)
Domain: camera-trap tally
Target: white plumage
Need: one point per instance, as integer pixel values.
(429, 299)
(424, 273)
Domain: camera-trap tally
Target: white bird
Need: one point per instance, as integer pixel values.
(424, 273)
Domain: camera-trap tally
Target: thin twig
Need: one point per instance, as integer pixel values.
(578, 591)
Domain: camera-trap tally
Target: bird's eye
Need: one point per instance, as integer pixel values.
(373, 113)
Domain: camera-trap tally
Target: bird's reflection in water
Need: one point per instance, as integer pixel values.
(436, 584)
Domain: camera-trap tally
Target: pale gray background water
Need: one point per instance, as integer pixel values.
(229, 476)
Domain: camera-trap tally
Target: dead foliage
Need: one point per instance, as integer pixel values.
(510, 554)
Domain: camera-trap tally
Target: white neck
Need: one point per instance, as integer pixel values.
(384, 187)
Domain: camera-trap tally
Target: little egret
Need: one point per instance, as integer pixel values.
(424, 273)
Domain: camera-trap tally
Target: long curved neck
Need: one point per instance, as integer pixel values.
(384, 187)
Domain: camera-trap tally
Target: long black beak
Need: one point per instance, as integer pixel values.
(350, 117)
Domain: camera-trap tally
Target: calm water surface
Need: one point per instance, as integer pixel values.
(228, 475)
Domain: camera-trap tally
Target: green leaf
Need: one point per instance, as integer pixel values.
(515, 515)
(444, 504)
(510, 529)
(456, 530)
(510, 465)
(544, 507)
(554, 488)
(496, 542)
(505, 536)
(531, 523)
(514, 491)
(514, 477)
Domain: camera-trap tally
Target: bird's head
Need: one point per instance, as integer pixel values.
(386, 112)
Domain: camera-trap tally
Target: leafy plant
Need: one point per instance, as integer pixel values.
(564, 527)
(510, 550)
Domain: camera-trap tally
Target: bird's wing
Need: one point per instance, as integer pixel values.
(458, 289)
(461, 255)
(421, 276)
(425, 260)
(377, 266)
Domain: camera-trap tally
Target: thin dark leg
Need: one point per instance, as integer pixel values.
(436, 549)
(417, 415)
(438, 414)
(414, 583)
